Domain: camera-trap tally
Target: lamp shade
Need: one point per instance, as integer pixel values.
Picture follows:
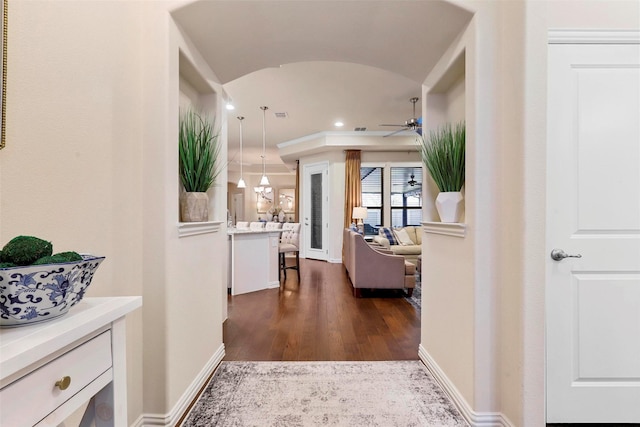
(359, 212)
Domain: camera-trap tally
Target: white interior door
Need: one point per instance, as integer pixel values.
(593, 209)
(315, 215)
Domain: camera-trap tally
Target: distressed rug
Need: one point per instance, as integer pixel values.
(416, 298)
(292, 394)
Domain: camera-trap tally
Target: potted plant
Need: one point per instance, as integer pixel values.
(199, 151)
(444, 156)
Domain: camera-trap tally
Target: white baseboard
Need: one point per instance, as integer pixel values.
(335, 260)
(273, 285)
(475, 419)
(172, 417)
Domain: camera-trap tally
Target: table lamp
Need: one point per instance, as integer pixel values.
(360, 213)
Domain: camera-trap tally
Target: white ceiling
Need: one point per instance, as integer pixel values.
(318, 61)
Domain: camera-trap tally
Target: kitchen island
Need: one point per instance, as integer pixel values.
(254, 260)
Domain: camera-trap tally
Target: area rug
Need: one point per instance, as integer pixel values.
(292, 394)
(416, 297)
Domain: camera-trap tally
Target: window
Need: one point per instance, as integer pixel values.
(371, 182)
(406, 196)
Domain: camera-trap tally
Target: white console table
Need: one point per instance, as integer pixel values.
(48, 370)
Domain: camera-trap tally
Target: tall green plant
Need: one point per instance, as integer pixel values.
(199, 151)
(443, 155)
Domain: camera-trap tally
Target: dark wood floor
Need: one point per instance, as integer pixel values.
(320, 319)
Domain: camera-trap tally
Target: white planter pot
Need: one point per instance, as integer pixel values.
(449, 206)
(194, 207)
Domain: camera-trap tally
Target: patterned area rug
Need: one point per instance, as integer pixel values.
(292, 394)
(416, 298)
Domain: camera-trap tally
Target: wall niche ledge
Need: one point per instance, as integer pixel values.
(454, 229)
(186, 229)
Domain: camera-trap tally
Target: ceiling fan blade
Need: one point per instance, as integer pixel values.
(391, 125)
(394, 132)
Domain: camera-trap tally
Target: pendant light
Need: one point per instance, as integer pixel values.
(264, 180)
(241, 183)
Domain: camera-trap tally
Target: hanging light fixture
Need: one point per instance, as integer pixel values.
(241, 183)
(264, 180)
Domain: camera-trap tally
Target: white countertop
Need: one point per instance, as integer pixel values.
(248, 231)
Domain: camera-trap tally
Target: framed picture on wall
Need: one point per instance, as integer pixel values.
(286, 199)
(264, 199)
(3, 69)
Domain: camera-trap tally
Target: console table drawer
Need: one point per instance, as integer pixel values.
(34, 396)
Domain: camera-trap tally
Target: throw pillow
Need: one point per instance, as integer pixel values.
(403, 237)
(388, 234)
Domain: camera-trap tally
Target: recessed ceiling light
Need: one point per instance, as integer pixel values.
(230, 106)
(338, 124)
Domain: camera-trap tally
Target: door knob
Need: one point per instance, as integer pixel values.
(559, 255)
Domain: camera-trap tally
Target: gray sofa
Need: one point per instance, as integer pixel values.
(409, 252)
(373, 267)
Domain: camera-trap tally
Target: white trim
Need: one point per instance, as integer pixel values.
(273, 285)
(194, 228)
(454, 229)
(475, 419)
(335, 260)
(594, 37)
(324, 134)
(191, 393)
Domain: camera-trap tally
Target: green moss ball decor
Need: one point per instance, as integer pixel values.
(59, 258)
(70, 256)
(25, 250)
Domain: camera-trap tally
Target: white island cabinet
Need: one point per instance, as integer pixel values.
(254, 260)
(48, 370)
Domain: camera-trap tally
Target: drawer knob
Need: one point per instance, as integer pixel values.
(64, 383)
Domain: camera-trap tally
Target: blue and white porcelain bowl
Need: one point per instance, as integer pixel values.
(37, 293)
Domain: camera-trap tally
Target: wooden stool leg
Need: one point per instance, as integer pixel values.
(284, 265)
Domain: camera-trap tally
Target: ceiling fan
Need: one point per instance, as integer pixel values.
(414, 124)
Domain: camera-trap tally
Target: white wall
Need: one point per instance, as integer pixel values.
(71, 170)
(499, 266)
(91, 164)
(449, 276)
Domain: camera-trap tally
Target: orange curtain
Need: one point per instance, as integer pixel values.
(352, 186)
(297, 193)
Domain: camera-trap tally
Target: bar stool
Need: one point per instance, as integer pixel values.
(273, 226)
(256, 226)
(290, 243)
